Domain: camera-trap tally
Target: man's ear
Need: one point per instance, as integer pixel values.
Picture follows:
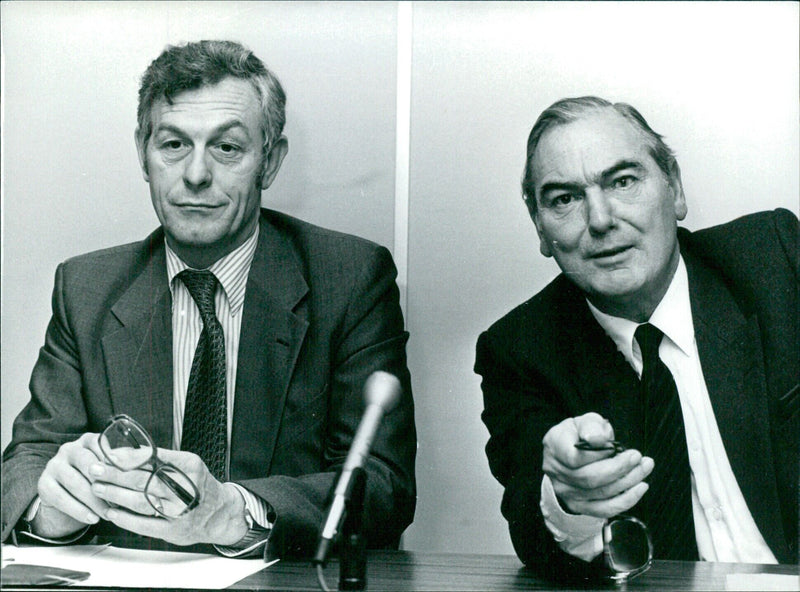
(141, 149)
(273, 160)
(679, 198)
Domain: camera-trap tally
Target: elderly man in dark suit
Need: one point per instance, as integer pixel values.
(658, 374)
(238, 337)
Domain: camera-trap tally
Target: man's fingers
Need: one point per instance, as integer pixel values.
(77, 502)
(593, 428)
(595, 474)
(559, 442)
(177, 531)
(607, 491)
(188, 462)
(151, 526)
(131, 499)
(105, 473)
(79, 455)
(65, 485)
(635, 476)
(611, 507)
(91, 442)
(570, 458)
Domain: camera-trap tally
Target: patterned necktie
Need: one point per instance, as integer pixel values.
(205, 419)
(668, 503)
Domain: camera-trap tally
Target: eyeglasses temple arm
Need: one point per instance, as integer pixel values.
(176, 488)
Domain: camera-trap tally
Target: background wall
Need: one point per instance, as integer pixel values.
(720, 80)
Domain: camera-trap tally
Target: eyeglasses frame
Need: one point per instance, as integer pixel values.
(156, 466)
(616, 575)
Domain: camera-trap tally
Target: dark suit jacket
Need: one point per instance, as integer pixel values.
(549, 359)
(321, 313)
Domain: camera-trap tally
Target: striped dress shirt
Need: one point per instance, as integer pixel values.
(231, 271)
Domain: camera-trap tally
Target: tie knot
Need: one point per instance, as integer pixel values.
(201, 285)
(649, 338)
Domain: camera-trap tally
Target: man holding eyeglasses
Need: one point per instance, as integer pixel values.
(204, 386)
(657, 376)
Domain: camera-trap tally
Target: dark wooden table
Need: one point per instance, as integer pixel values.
(402, 570)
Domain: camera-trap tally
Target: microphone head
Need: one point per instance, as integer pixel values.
(382, 389)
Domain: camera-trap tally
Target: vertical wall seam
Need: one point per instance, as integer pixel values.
(402, 148)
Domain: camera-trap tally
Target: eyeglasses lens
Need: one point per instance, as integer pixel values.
(126, 445)
(170, 492)
(628, 546)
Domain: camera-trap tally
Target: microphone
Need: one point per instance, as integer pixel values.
(381, 393)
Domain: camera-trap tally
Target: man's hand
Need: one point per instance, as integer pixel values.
(217, 519)
(593, 483)
(64, 487)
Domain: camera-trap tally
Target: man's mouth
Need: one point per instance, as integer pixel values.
(608, 253)
(202, 206)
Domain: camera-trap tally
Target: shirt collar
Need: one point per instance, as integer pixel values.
(672, 316)
(231, 271)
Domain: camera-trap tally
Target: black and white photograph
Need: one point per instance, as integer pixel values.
(409, 295)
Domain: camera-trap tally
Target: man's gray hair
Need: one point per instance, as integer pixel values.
(193, 65)
(569, 110)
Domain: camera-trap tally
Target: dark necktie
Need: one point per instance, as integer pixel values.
(668, 503)
(205, 418)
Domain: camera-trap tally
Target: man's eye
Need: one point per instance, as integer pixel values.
(228, 149)
(624, 182)
(172, 145)
(562, 199)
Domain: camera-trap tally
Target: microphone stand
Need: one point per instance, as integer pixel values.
(352, 544)
(381, 393)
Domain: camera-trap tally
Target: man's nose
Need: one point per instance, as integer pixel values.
(197, 174)
(599, 211)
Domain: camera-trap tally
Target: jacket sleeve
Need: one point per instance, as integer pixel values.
(54, 415)
(370, 337)
(520, 406)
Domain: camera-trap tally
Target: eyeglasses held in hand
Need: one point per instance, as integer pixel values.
(627, 548)
(127, 446)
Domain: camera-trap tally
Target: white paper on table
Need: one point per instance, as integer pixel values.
(134, 568)
(761, 582)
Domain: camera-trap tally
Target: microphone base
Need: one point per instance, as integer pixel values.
(353, 563)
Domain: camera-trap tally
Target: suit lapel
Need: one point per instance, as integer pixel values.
(138, 353)
(272, 334)
(729, 345)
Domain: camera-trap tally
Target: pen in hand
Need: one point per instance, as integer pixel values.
(614, 445)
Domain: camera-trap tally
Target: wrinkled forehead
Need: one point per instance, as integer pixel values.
(588, 145)
(209, 106)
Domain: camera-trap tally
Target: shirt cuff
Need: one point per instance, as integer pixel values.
(27, 530)
(579, 535)
(260, 517)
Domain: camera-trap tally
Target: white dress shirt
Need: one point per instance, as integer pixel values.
(724, 527)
